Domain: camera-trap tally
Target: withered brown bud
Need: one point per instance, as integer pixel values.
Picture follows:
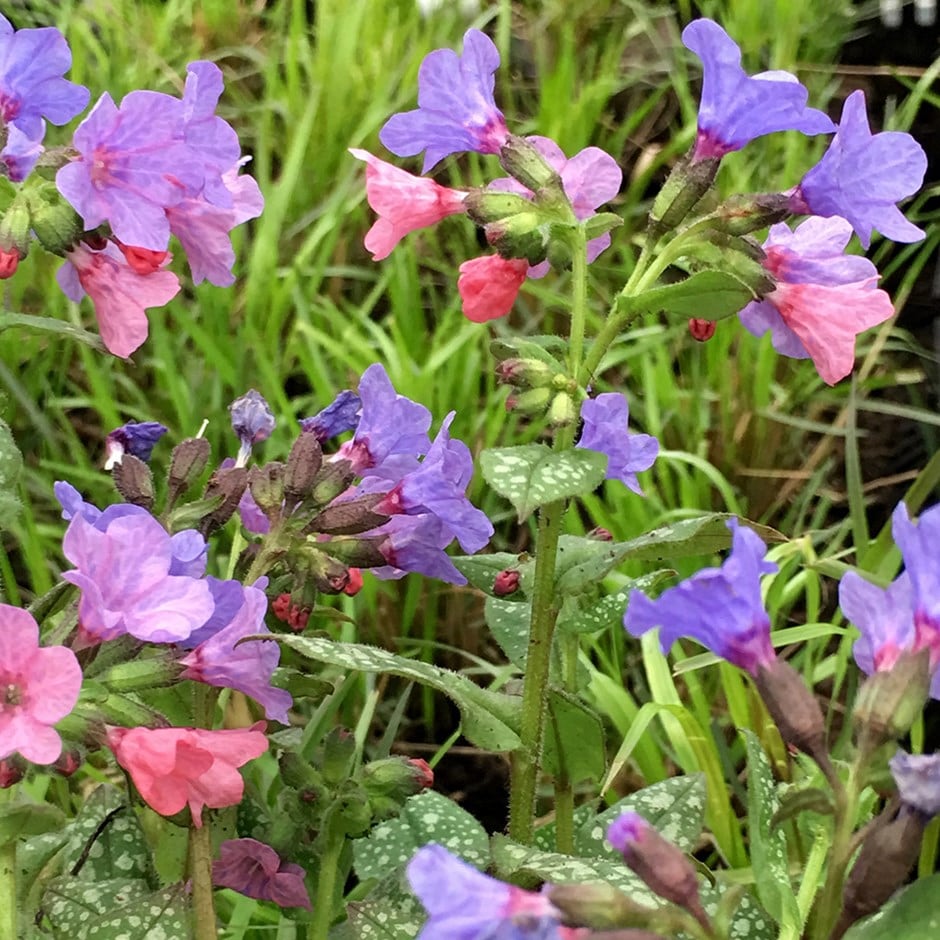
(267, 488)
(363, 553)
(303, 465)
(794, 709)
(349, 518)
(187, 462)
(598, 906)
(231, 484)
(134, 481)
(506, 582)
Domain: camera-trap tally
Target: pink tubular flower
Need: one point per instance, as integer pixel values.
(404, 203)
(488, 286)
(173, 767)
(256, 870)
(823, 298)
(40, 686)
(119, 293)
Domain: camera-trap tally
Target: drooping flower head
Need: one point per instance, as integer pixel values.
(823, 299)
(489, 285)
(176, 767)
(456, 109)
(342, 414)
(736, 108)
(721, 608)
(256, 870)
(39, 685)
(252, 421)
(404, 202)
(605, 430)
(918, 779)
(862, 176)
(135, 438)
(905, 616)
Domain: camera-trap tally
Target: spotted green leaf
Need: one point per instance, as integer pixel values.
(21, 819)
(588, 613)
(391, 912)
(913, 913)
(509, 624)
(481, 570)
(11, 463)
(533, 475)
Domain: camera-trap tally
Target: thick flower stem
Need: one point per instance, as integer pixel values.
(334, 840)
(8, 908)
(200, 872)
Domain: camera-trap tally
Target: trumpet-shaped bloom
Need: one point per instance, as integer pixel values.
(32, 63)
(40, 687)
(456, 109)
(735, 108)
(862, 175)
(415, 544)
(222, 661)
(489, 286)
(918, 779)
(721, 608)
(252, 421)
(404, 202)
(605, 430)
(823, 299)
(120, 295)
(176, 767)
(256, 870)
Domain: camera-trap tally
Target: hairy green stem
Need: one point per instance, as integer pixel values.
(334, 840)
(8, 908)
(200, 873)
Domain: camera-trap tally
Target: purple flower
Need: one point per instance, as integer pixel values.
(252, 421)
(736, 108)
(224, 662)
(256, 870)
(721, 608)
(32, 63)
(464, 904)
(137, 439)
(905, 616)
(861, 177)
(19, 154)
(341, 415)
(456, 110)
(228, 597)
(605, 430)
(590, 179)
(823, 297)
(438, 486)
(123, 563)
(918, 780)
(392, 431)
(415, 544)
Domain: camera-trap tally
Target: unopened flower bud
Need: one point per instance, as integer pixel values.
(702, 330)
(135, 438)
(389, 782)
(56, 224)
(600, 534)
(267, 487)
(686, 185)
(560, 251)
(288, 611)
(520, 236)
(303, 465)
(352, 516)
(252, 422)
(486, 206)
(339, 754)
(597, 906)
(530, 402)
(355, 582)
(9, 262)
(889, 701)
(230, 483)
(14, 233)
(188, 460)
(524, 373)
(662, 866)
(742, 214)
(562, 410)
(68, 762)
(523, 162)
(341, 415)
(506, 582)
(12, 771)
(793, 708)
(334, 478)
(134, 481)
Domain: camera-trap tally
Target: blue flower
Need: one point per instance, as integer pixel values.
(136, 439)
(342, 414)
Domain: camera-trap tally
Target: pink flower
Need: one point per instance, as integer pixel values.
(39, 686)
(404, 203)
(119, 293)
(488, 286)
(256, 870)
(173, 767)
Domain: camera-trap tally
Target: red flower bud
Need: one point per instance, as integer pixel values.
(354, 585)
(702, 330)
(506, 582)
(12, 771)
(600, 534)
(424, 776)
(68, 763)
(9, 261)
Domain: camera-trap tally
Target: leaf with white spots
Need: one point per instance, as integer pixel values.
(489, 720)
(585, 613)
(390, 912)
(509, 624)
(749, 920)
(426, 817)
(912, 914)
(481, 570)
(769, 857)
(533, 474)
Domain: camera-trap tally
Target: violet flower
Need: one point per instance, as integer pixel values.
(918, 780)
(415, 544)
(456, 109)
(823, 297)
(341, 415)
(223, 662)
(40, 687)
(252, 421)
(736, 108)
(862, 175)
(135, 438)
(256, 870)
(605, 430)
(19, 154)
(721, 608)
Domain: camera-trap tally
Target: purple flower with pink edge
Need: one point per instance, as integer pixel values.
(341, 415)
(135, 438)
(256, 870)
(862, 175)
(32, 63)
(41, 686)
(605, 430)
(735, 107)
(228, 598)
(456, 109)
(122, 567)
(464, 904)
(392, 431)
(415, 545)
(590, 179)
(247, 667)
(438, 486)
(721, 608)
(823, 297)
(19, 154)
(918, 780)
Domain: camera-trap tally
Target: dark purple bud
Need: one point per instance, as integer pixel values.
(351, 517)
(506, 583)
(252, 421)
(341, 415)
(302, 467)
(134, 481)
(132, 438)
(188, 460)
(702, 330)
(12, 771)
(230, 483)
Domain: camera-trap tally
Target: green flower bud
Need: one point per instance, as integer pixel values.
(889, 702)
